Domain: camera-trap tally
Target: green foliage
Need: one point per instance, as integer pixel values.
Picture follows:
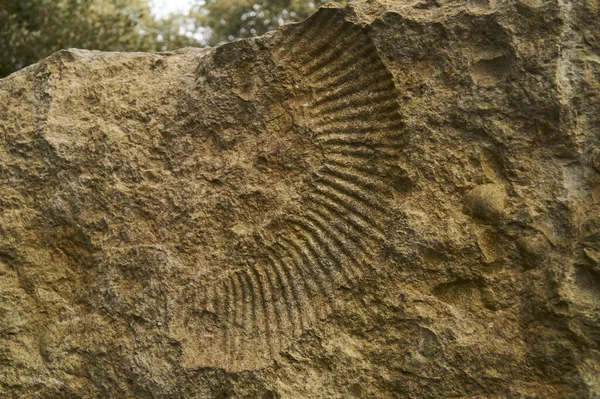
(33, 29)
(231, 19)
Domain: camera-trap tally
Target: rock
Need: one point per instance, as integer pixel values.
(486, 201)
(534, 248)
(320, 212)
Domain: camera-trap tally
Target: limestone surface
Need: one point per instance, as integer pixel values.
(396, 199)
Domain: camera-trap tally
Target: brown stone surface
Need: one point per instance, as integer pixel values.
(398, 199)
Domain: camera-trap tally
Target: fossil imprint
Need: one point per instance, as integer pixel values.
(337, 228)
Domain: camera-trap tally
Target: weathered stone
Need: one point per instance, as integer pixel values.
(397, 199)
(487, 201)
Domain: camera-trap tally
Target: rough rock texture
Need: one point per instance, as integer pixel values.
(393, 200)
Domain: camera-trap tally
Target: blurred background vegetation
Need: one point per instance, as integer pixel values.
(33, 29)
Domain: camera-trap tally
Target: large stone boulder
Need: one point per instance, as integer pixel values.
(397, 199)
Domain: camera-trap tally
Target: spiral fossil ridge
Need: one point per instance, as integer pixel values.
(337, 227)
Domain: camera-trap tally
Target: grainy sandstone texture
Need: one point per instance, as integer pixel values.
(399, 199)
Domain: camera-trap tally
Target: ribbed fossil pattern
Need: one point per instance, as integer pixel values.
(337, 233)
